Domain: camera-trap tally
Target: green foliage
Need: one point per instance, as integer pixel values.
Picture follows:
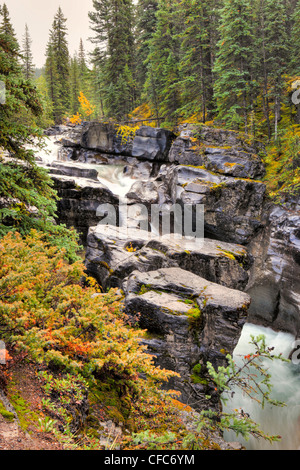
(234, 63)
(27, 57)
(197, 51)
(113, 23)
(162, 84)
(282, 165)
(58, 67)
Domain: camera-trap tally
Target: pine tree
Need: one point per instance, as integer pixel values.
(114, 54)
(234, 64)
(58, 67)
(145, 28)
(276, 53)
(197, 55)
(162, 83)
(27, 57)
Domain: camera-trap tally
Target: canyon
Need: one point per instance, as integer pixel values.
(192, 298)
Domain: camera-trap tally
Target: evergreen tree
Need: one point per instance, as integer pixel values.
(295, 40)
(27, 57)
(27, 198)
(162, 83)
(197, 58)
(58, 67)
(75, 85)
(114, 54)
(275, 55)
(24, 184)
(146, 26)
(82, 61)
(84, 74)
(6, 27)
(234, 64)
(52, 75)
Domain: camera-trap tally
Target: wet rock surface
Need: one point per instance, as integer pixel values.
(194, 321)
(112, 254)
(274, 279)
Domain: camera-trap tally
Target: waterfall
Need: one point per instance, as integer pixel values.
(273, 420)
(50, 151)
(113, 177)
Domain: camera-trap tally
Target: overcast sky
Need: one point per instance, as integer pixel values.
(39, 15)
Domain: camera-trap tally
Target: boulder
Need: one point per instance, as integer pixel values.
(79, 199)
(233, 206)
(76, 170)
(104, 137)
(152, 144)
(113, 253)
(192, 321)
(218, 150)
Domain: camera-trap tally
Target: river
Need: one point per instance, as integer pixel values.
(273, 420)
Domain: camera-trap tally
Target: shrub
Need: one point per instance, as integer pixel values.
(52, 312)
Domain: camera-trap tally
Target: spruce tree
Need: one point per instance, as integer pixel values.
(6, 27)
(85, 78)
(52, 75)
(58, 67)
(234, 64)
(114, 55)
(82, 61)
(295, 41)
(27, 57)
(145, 28)
(22, 185)
(163, 82)
(197, 52)
(75, 82)
(276, 54)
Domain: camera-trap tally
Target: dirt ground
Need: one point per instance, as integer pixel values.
(12, 437)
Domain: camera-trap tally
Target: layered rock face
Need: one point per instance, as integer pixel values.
(193, 298)
(192, 321)
(112, 255)
(274, 278)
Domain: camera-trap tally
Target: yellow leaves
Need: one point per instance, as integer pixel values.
(141, 112)
(87, 108)
(75, 119)
(282, 175)
(130, 248)
(126, 132)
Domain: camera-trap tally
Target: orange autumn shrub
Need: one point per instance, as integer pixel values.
(53, 312)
